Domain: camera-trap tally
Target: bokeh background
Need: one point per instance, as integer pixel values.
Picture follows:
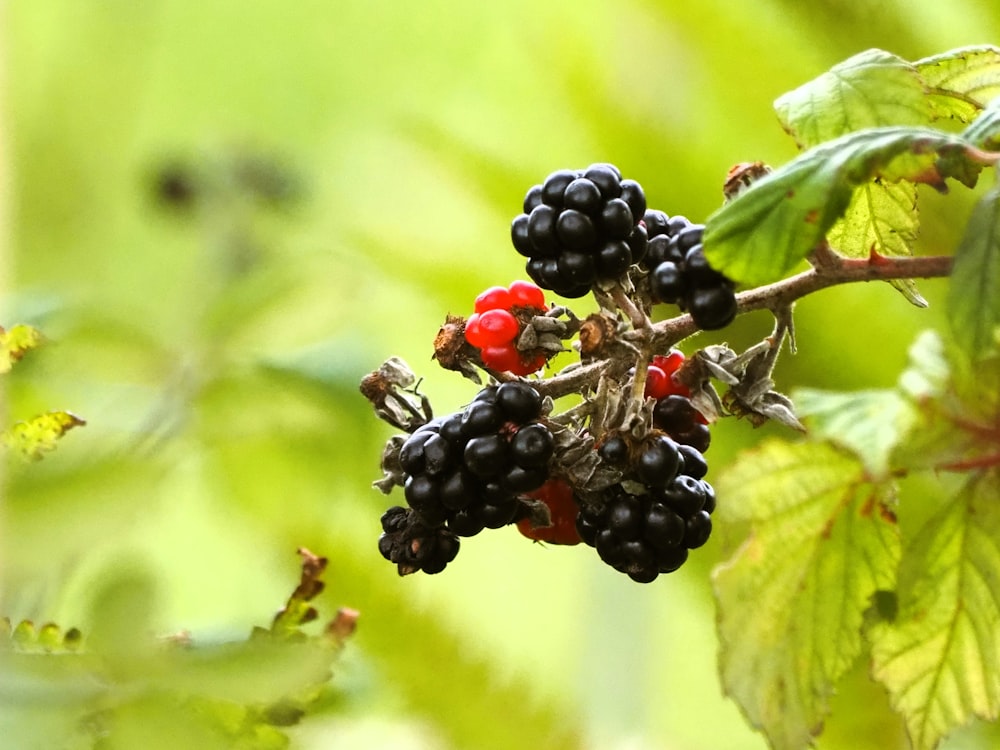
(223, 214)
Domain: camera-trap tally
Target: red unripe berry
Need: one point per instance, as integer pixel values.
(497, 327)
(526, 294)
(530, 364)
(657, 382)
(503, 358)
(669, 363)
(472, 332)
(558, 496)
(494, 298)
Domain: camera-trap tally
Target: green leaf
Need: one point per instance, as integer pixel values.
(962, 81)
(928, 372)
(871, 89)
(882, 218)
(868, 423)
(48, 639)
(956, 408)
(985, 129)
(792, 599)
(35, 437)
(766, 231)
(974, 291)
(15, 343)
(939, 657)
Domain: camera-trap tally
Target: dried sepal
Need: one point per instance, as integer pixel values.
(392, 471)
(392, 391)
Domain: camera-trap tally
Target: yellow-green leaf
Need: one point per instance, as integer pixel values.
(35, 437)
(15, 343)
(939, 656)
(792, 599)
(962, 81)
(882, 218)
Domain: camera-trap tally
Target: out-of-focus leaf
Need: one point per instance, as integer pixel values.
(974, 293)
(985, 129)
(792, 599)
(961, 81)
(49, 638)
(868, 423)
(956, 408)
(33, 438)
(15, 343)
(128, 687)
(928, 371)
(939, 657)
(762, 234)
(872, 89)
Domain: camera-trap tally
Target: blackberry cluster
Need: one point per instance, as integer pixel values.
(581, 226)
(465, 472)
(413, 545)
(680, 274)
(645, 524)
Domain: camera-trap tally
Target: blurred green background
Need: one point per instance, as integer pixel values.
(223, 214)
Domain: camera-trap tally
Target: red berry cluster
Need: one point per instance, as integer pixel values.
(494, 328)
(660, 376)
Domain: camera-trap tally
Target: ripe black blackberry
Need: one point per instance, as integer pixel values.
(580, 227)
(680, 274)
(645, 524)
(414, 545)
(678, 417)
(465, 472)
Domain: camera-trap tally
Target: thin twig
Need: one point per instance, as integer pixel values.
(781, 294)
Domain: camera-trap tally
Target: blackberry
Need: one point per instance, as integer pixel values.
(678, 417)
(466, 472)
(412, 544)
(680, 274)
(645, 524)
(579, 228)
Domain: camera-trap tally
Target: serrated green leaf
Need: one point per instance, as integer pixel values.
(974, 291)
(882, 218)
(940, 657)
(791, 600)
(15, 343)
(298, 610)
(49, 638)
(762, 234)
(961, 81)
(872, 89)
(35, 437)
(867, 423)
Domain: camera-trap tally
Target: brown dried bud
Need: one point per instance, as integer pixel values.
(450, 347)
(596, 334)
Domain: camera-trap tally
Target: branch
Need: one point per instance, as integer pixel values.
(666, 333)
